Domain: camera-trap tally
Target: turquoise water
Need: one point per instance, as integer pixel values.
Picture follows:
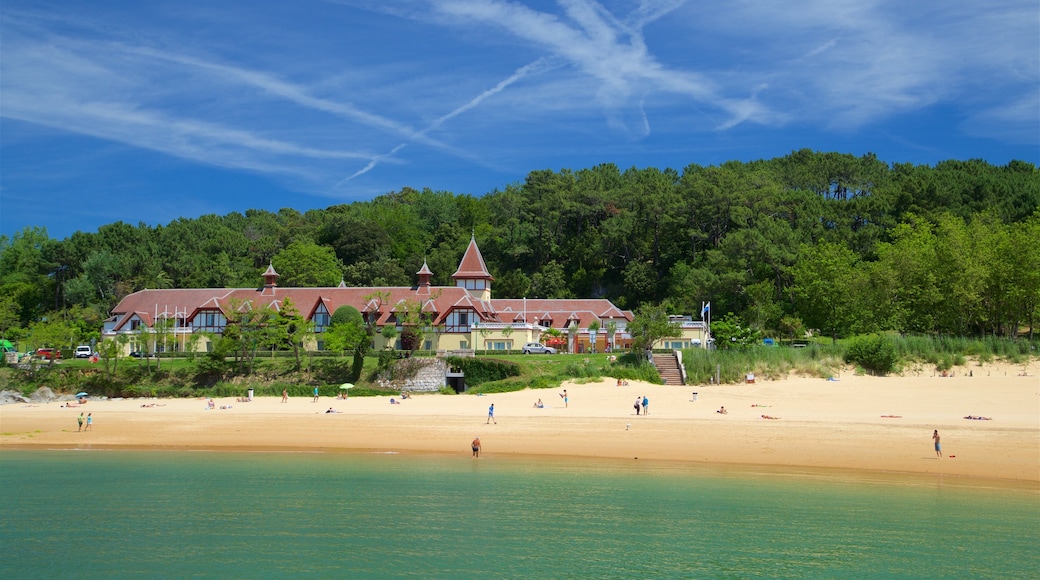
(132, 514)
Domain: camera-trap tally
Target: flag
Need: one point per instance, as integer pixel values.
(705, 309)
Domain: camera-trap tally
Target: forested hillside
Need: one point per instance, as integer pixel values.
(824, 241)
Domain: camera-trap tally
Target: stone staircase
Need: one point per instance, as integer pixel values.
(668, 367)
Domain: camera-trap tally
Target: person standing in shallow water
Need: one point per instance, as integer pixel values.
(476, 447)
(938, 445)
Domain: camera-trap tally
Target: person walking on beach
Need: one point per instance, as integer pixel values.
(646, 406)
(90, 421)
(80, 421)
(491, 415)
(938, 446)
(315, 394)
(638, 401)
(476, 447)
(285, 395)
(563, 396)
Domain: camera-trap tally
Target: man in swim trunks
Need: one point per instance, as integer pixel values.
(938, 446)
(476, 447)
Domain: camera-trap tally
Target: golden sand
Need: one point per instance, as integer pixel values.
(856, 422)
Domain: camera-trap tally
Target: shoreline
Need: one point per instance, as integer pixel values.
(942, 478)
(858, 423)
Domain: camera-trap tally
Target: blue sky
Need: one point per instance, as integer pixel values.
(149, 111)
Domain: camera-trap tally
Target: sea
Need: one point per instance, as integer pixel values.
(208, 514)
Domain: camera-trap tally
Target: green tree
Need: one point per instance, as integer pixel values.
(57, 334)
(304, 264)
(875, 353)
(291, 329)
(823, 288)
(8, 315)
(162, 331)
(611, 328)
(792, 326)
(649, 325)
(729, 333)
(572, 332)
(550, 282)
(512, 284)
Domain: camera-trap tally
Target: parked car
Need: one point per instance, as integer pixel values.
(538, 348)
(137, 354)
(84, 351)
(48, 353)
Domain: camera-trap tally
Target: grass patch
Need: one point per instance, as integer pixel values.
(497, 373)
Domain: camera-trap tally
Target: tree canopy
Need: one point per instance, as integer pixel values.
(824, 241)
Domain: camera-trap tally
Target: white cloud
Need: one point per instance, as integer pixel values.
(609, 50)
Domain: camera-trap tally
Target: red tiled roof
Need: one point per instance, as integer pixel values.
(472, 264)
(379, 301)
(560, 311)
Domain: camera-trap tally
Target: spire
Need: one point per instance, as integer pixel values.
(472, 265)
(424, 274)
(270, 276)
(473, 274)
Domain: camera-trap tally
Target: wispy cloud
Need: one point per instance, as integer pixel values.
(848, 64)
(611, 51)
(94, 89)
(346, 99)
(532, 68)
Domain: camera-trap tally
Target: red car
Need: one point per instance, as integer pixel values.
(48, 353)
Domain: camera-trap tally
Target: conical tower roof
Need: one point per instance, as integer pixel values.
(472, 265)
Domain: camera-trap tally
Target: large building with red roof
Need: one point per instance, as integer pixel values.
(463, 317)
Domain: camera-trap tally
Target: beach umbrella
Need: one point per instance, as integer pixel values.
(346, 386)
(81, 395)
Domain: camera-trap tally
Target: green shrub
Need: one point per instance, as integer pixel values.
(482, 370)
(875, 353)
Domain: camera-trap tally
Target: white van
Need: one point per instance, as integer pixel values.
(83, 351)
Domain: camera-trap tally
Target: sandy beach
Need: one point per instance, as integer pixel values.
(882, 424)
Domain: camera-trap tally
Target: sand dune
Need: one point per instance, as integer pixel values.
(856, 422)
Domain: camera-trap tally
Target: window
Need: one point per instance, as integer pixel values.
(459, 321)
(464, 344)
(209, 321)
(321, 319)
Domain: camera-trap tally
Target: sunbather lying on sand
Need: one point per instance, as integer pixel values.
(978, 418)
(769, 417)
